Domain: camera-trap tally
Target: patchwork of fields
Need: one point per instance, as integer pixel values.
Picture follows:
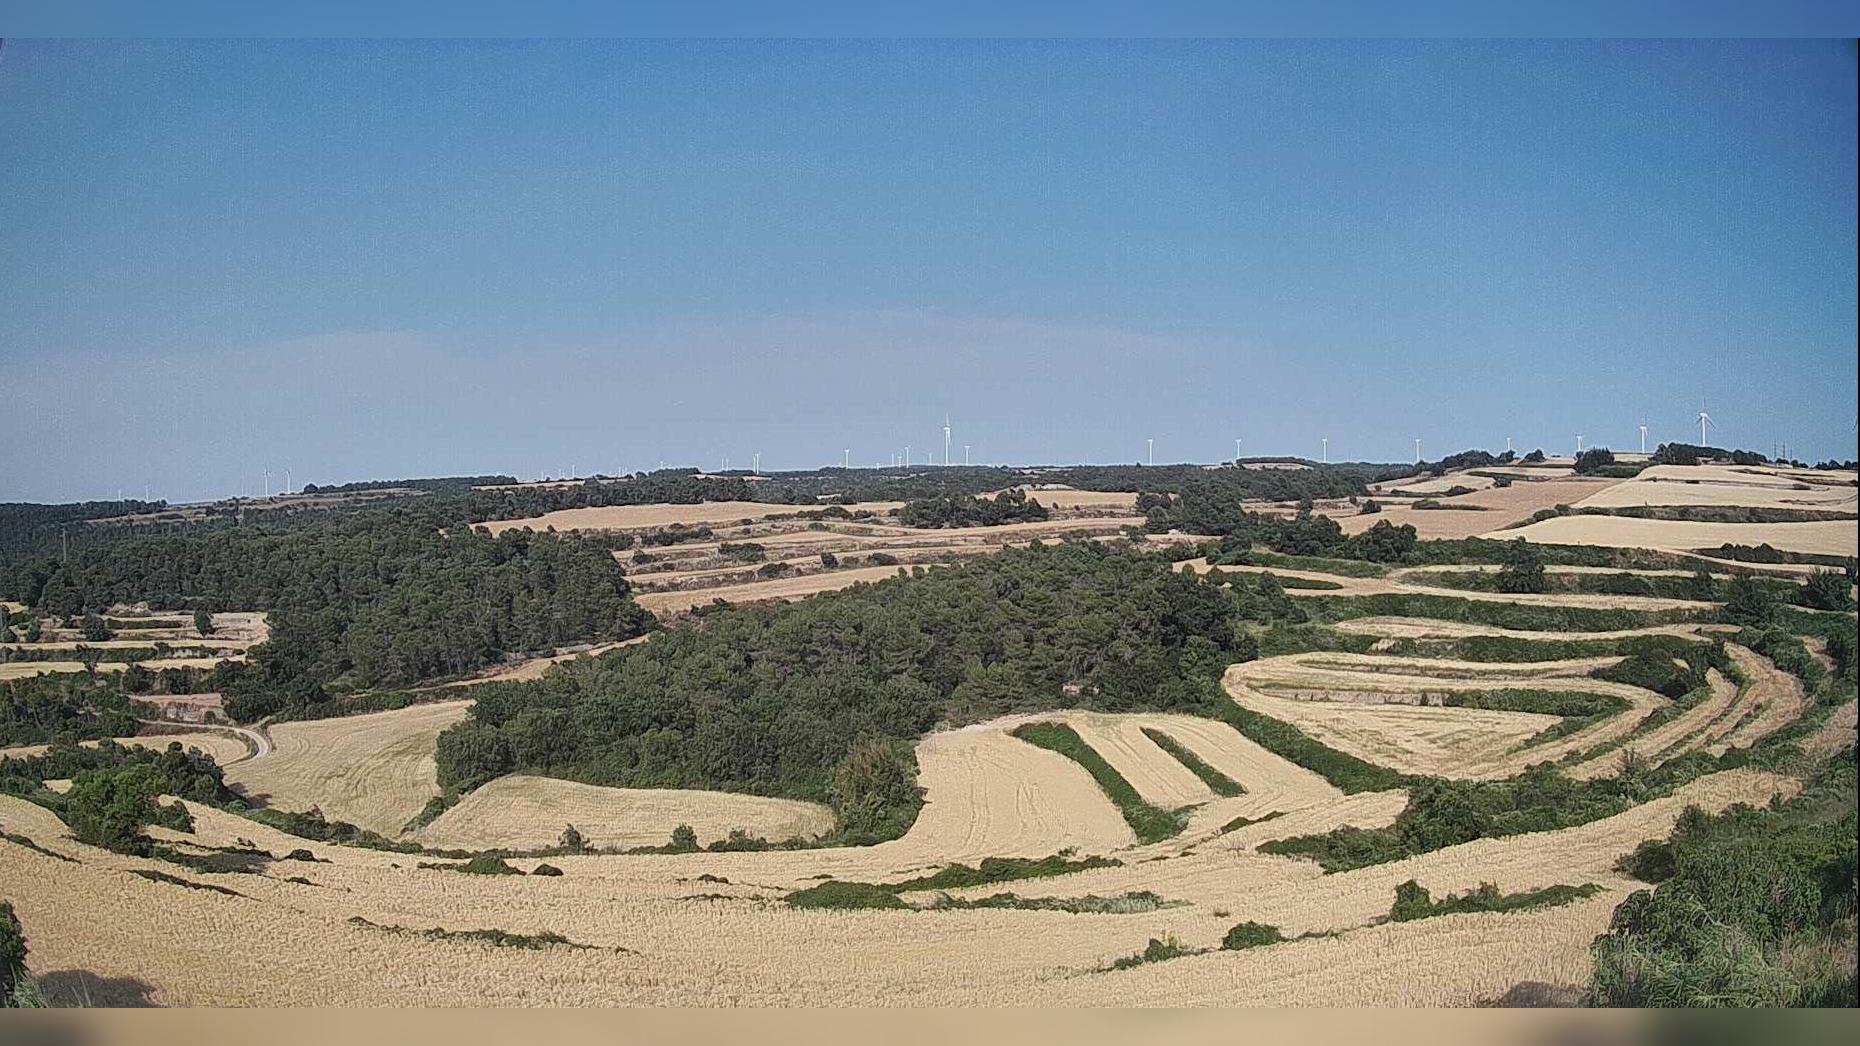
(1294, 753)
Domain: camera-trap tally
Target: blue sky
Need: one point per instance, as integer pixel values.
(412, 258)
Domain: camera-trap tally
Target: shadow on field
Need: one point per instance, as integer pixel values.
(83, 988)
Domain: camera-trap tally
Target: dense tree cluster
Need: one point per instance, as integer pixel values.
(963, 510)
(373, 599)
(798, 700)
(63, 706)
(1752, 907)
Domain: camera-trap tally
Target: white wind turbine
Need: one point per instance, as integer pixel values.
(1151, 453)
(1704, 420)
(945, 441)
(1326, 442)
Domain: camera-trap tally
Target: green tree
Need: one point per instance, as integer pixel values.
(110, 807)
(1522, 570)
(874, 789)
(571, 839)
(12, 954)
(95, 628)
(1749, 602)
(203, 622)
(684, 839)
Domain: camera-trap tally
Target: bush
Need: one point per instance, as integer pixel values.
(545, 869)
(684, 839)
(12, 954)
(109, 808)
(874, 790)
(1251, 935)
(835, 894)
(1593, 460)
(1158, 950)
(571, 840)
(1369, 507)
(1522, 571)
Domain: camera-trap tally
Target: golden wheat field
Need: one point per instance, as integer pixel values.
(524, 812)
(1822, 537)
(375, 770)
(374, 927)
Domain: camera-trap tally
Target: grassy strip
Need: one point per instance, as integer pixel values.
(20, 840)
(1306, 583)
(1519, 650)
(175, 880)
(1282, 739)
(1159, 949)
(846, 895)
(1542, 702)
(1413, 902)
(1314, 564)
(1241, 822)
(1519, 616)
(1152, 824)
(495, 938)
(836, 894)
(1443, 813)
(1001, 870)
(1307, 639)
(1091, 904)
(1217, 782)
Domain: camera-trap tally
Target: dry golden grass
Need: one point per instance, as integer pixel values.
(1064, 499)
(1645, 491)
(27, 669)
(537, 667)
(376, 771)
(1830, 537)
(784, 588)
(1835, 734)
(524, 812)
(1503, 507)
(734, 947)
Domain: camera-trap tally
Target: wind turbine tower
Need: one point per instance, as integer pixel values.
(965, 453)
(1151, 453)
(1326, 442)
(945, 441)
(1417, 452)
(1236, 450)
(1643, 435)
(1704, 420)
(1507, 444)
(1579, 443)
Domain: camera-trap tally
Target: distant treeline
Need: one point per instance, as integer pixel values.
(439, 485)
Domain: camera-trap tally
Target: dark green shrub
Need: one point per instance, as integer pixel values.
(1251, 935)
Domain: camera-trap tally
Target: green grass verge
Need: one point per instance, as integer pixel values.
(1217, 782)
(1152, 824)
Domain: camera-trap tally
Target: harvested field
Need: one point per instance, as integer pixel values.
(524, 812)
(26, 669)
(375, 770)
(1503, 506)
(1682, 492)
(1836, 734)
(735, 948)
(783, 588)
(1064, 499)
(1369, 713)
(1829, 537)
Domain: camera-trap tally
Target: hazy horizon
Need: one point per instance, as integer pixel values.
(367, 260)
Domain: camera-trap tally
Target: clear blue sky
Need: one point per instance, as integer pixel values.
(406, 258)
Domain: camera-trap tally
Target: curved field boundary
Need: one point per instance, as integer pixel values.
(521, 812)
(376, 771)
(1432, 740)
